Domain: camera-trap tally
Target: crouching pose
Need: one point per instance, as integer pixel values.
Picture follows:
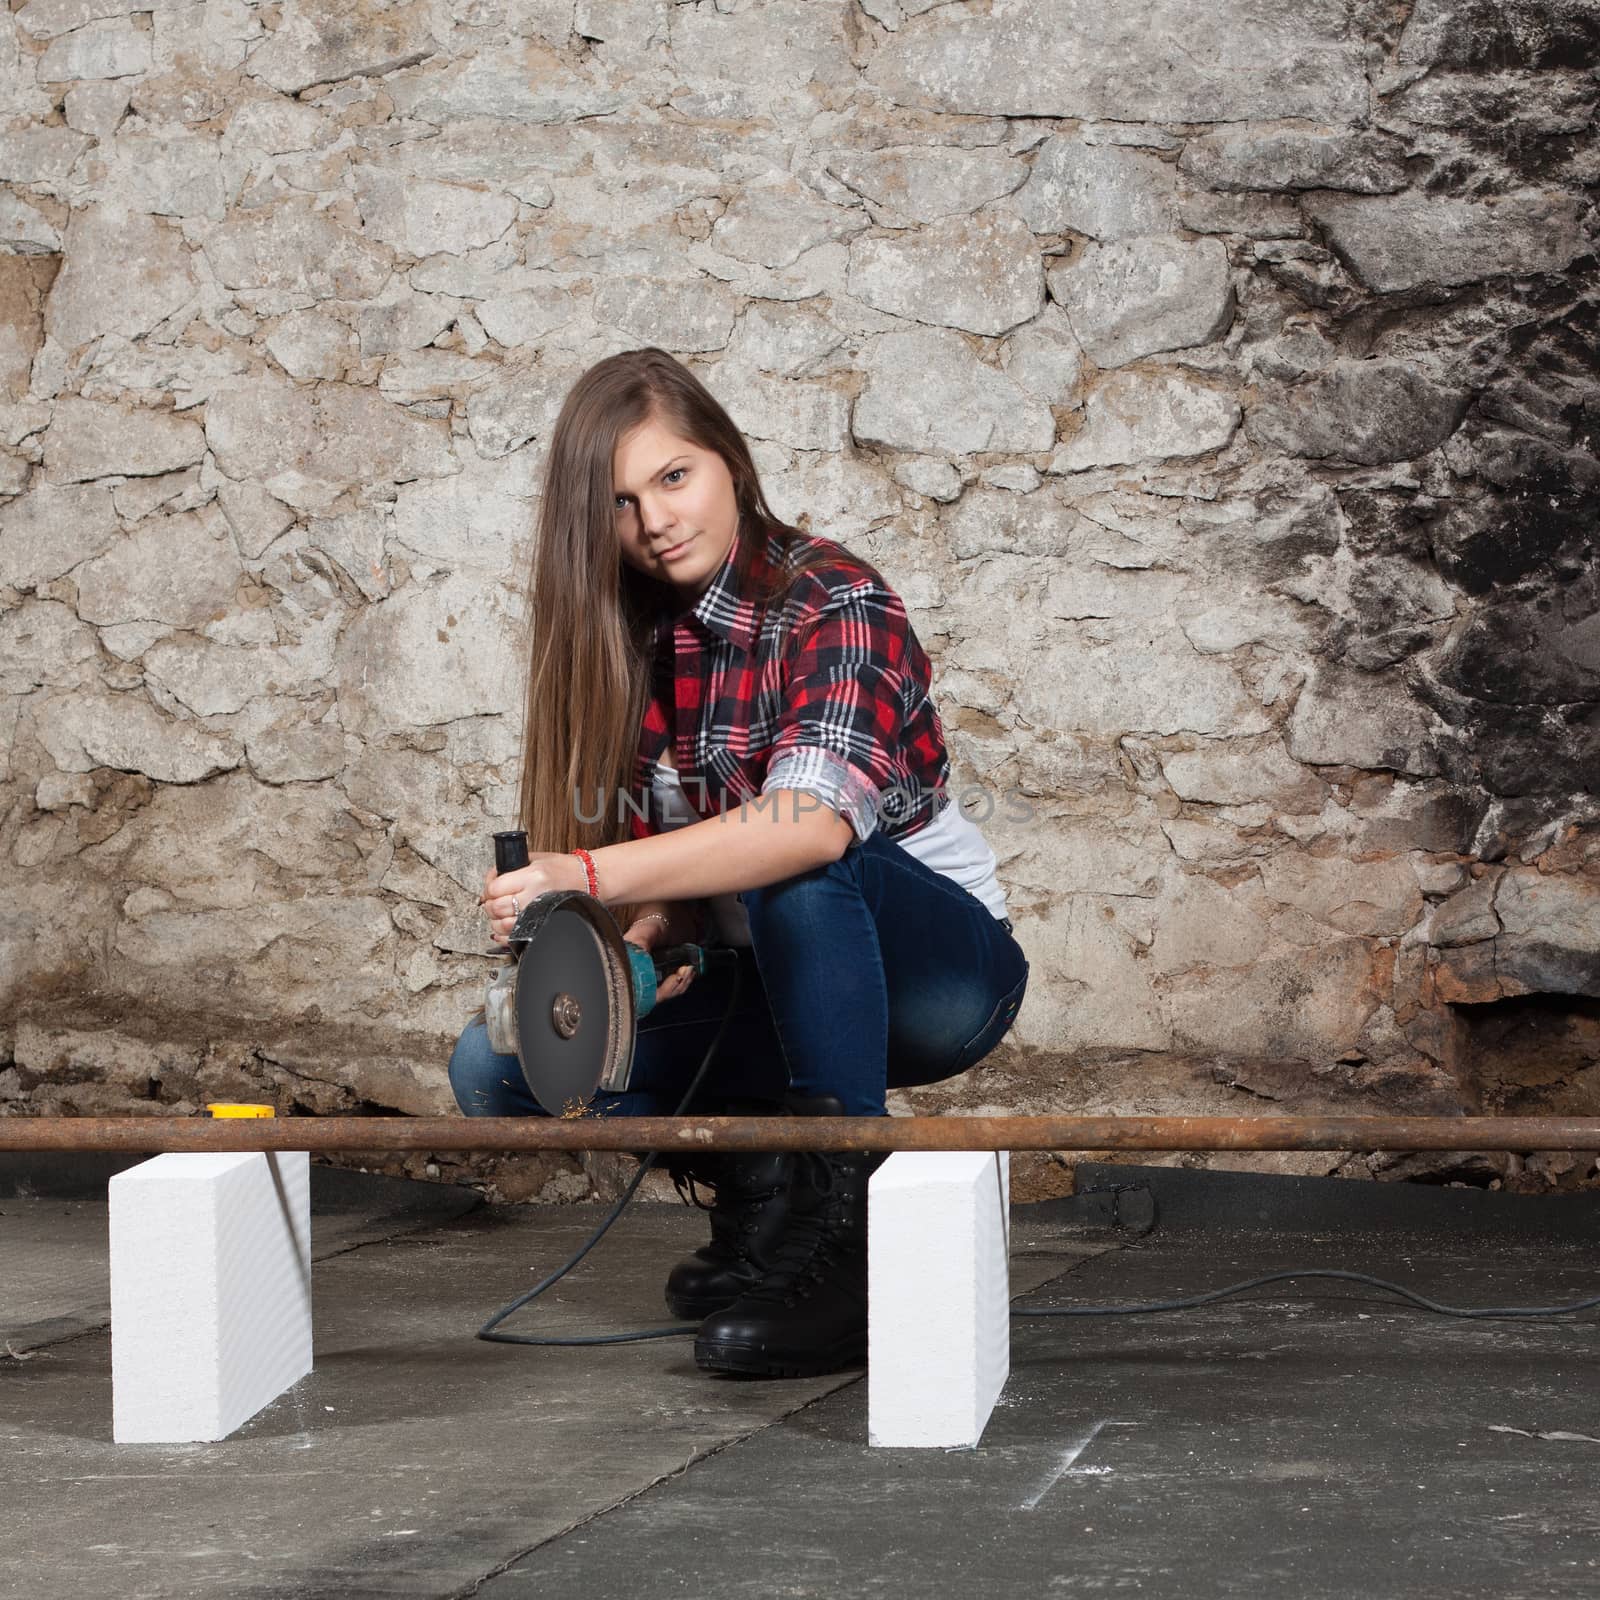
(729, 738)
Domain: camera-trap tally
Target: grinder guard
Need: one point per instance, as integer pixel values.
(565, 1005)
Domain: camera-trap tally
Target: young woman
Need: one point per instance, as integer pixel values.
(760, 700)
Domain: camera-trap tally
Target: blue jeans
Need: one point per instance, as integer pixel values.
(872, 972)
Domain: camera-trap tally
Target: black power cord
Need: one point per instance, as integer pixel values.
(1118, 1190)
(1306, 1272)
(487, 1333)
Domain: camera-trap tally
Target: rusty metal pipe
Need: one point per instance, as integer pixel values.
(506, 1134)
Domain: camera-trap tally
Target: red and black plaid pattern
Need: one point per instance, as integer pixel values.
(827, 692)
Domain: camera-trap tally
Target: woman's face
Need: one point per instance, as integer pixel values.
(674, 507)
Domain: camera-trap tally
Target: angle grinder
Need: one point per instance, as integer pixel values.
(567, 1002)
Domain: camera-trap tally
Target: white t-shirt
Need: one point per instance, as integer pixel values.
(952, 844)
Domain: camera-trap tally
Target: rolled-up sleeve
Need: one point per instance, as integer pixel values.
(844, 708)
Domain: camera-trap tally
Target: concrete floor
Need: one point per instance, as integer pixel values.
(1310, 1438)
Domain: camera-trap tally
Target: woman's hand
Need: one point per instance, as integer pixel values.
(506, 895)
(650, 933)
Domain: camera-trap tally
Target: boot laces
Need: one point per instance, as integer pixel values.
(732, 1224)
(735, 1211)
(687, 1185)
(813, 1240)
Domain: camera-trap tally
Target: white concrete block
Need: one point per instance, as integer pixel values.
(210, 1291)
(939, 1296)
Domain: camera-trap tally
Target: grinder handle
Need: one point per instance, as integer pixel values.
(650, 967)
(680, 955)
(510, 852)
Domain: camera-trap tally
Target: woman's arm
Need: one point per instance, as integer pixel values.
(774, 836)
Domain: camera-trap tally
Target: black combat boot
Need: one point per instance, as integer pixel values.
(751, 1193)
(808, 1313)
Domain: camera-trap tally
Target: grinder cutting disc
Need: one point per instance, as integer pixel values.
(574, 1001)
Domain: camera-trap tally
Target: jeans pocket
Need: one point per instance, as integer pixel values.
(997, 1026)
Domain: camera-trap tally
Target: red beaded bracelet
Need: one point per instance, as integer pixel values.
(588, 869)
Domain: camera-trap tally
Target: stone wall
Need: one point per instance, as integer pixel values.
(1217, 383)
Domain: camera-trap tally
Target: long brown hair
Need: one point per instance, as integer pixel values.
(591, 616)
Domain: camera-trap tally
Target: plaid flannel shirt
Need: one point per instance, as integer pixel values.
(825, 692)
